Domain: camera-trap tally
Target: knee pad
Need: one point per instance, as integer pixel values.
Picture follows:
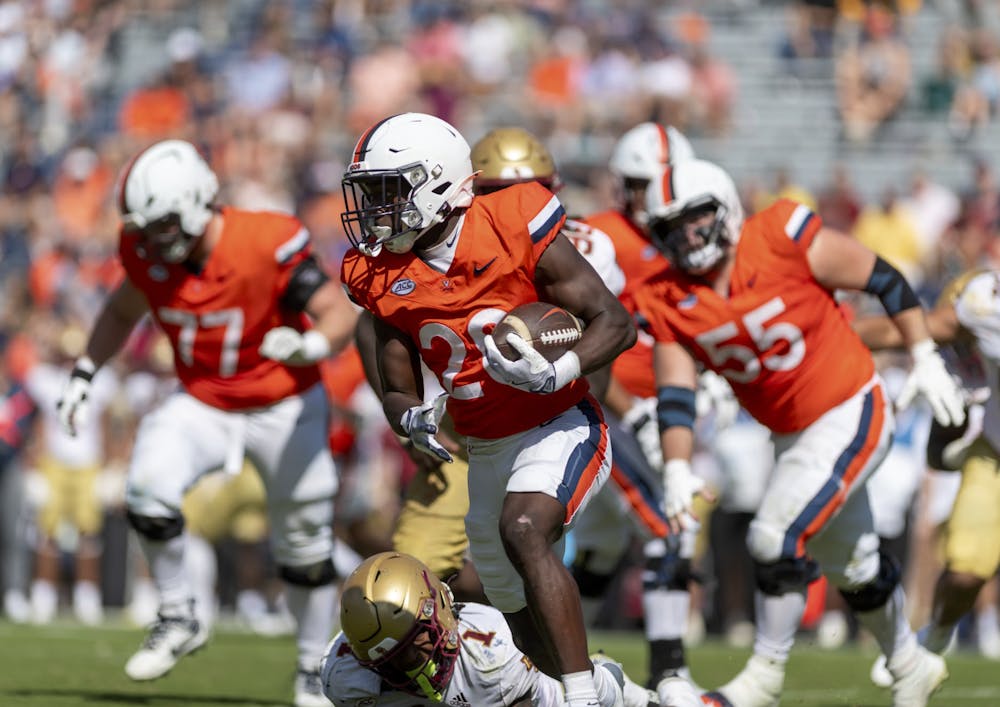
(158, 528)
(877, 592)
(787, 575)
(669, 571)
(317, 574)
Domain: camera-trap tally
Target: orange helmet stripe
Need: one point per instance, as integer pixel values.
(362, 146)
(664, 144)
(667, 184)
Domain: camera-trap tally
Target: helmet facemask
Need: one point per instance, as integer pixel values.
(690, 239)
(382, 210)
(163, 239)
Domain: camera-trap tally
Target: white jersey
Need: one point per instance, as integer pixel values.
(45, 384)
(490, 671)
(978, 310)
(599, 250)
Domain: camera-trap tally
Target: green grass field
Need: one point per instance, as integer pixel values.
(67, 665)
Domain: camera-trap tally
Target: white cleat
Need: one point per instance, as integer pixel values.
(169, 640)
(757, 685)
(309, 689)
(675, 691)
(923, 676)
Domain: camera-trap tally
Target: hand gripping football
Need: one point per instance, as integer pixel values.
(550, 330)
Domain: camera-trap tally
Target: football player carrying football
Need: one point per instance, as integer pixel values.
(438, 268)
(754, 301)
(404, 641)
(234, 291)
(967, 313)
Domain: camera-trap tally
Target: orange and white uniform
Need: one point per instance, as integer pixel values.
(639, 260)
(779, 338)
(796, 365)
(216, 319)
(233, 401)
(447, 302)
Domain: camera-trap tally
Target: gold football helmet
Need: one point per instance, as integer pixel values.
(399, 621)
(506, 156)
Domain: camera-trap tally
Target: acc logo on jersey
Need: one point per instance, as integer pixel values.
(158, 273)
(403, 287)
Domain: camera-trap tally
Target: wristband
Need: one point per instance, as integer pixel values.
(567, 369)
(84, 368)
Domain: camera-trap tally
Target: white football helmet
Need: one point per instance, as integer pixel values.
(686, 192)
(409, 172)
(645, 150)
(167, 194)
(640, 156)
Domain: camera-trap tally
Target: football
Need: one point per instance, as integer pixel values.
(551, 330)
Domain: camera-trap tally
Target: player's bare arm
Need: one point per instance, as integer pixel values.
(837, 261)
(399, 372)
(564, 277)
(122, 310)
(365, 340)
(880, 333)
(333, 314)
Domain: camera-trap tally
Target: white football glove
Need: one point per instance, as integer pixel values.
(641, 421)
(73, 408)
(531, 372)
(714, 394)
(295, 348)
(931, 379)
(421, 424)
(680, 486)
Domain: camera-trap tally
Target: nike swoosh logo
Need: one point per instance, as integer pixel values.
(480, 269)
(397, 150)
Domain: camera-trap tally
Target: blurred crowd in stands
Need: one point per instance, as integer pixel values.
(275, 93)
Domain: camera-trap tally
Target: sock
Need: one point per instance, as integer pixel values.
(87, 602)
(313, 609)
(666, 613)
(778, 619)
(200, 562)
(889, 626)
(44, 600)
(606, 686)
(937, 637)
(665, 655)
(580, 689)
(166, 565)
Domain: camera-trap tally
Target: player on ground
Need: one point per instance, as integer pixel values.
(438, 268)
(754, 301)
(968, 315)
(234, 291)
(404, 640)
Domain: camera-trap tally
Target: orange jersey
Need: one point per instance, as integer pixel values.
(217, 318)
(780, 338)
(639, 260)
(501, 237)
